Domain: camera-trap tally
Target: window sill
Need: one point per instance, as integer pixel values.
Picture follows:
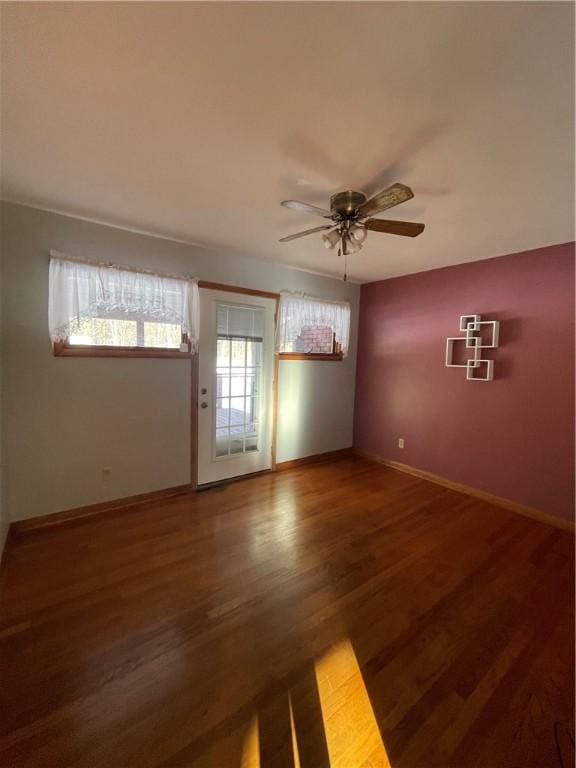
(64, 350)
(334, 357)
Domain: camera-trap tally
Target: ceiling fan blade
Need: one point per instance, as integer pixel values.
(406, 228)
(296, 205)
(303, 234)
(388, 198)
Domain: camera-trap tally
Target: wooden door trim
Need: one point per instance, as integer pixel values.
(275, 374)
(237, 289)
(194, 423)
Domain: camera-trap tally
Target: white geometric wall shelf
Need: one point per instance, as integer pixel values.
(473, 327)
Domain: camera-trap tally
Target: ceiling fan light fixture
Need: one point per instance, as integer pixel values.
(331, 239)
(350, 219)
(351, 245)
(358, 232)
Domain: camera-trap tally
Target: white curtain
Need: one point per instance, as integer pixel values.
(80, 290)
(298, 311)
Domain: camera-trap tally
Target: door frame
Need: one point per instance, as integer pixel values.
(195, 383)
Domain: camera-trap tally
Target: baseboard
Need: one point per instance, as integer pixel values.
(80, 513)
(513, 506)
(3, 557)
(4, 533)
(316, 458)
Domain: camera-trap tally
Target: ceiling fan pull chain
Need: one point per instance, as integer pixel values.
(345, 265)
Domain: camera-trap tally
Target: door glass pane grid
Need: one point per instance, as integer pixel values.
(239, 362)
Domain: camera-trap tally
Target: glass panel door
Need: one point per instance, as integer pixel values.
(235, 379)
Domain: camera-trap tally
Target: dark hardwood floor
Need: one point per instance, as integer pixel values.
(339, 615)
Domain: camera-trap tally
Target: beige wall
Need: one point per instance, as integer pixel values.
(66, 419)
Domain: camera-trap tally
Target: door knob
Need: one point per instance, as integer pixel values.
(204, 405)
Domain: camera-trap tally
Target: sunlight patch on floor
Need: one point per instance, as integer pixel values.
(295, 752)
(352, 733)
(251, 747)
(343, 733)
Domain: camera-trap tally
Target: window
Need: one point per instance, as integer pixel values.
(312, 329)
(104, 310)
(115, 332)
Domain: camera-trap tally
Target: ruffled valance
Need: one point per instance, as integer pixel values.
(298, 311)
(80, 290)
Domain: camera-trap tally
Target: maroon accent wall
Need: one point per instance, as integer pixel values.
(513, 436)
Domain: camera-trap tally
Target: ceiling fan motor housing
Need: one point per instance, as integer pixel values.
(346, 203)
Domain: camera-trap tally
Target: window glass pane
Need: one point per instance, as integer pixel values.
(222, 385)
(116, 332)
(222, 412)
(222, 446)
(251, 412)
(238, 355)
(162, 335)
(222, 440)
(237, 410)
(237, 384)
(236, 445)
(251, 382)
(253, 353)
(223, 353)
(108, 332)
(238, 370)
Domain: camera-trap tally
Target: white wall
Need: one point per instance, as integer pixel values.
(66, 419)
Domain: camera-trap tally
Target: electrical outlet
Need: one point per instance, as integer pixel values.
(400, 442)
(106, 472)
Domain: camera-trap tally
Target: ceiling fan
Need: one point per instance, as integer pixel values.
(350, 214)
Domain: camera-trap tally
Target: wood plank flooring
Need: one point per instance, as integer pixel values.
(340, 615)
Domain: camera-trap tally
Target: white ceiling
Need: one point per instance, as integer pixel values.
(194, 120)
